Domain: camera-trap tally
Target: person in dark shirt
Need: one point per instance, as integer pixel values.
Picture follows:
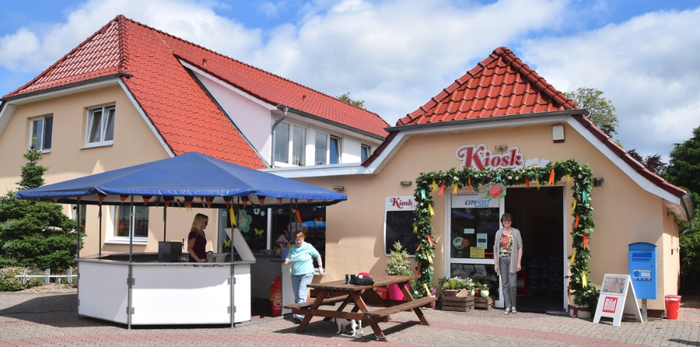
(196, 240)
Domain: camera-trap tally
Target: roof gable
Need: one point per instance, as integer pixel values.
(184, 115)
(99, 55)
(500, 85)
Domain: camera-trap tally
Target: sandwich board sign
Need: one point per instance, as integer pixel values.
(616, 298)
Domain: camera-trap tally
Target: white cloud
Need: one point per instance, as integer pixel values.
(396, 55)
(16, 50)
(646, 66)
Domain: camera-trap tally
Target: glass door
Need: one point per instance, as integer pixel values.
(471, 229)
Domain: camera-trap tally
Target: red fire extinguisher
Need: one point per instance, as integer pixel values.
(276, 296)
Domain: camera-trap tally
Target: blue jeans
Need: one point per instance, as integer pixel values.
(301, 291)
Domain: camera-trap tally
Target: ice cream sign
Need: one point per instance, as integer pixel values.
(480, 157)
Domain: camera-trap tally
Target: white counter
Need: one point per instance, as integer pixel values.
(164, 293)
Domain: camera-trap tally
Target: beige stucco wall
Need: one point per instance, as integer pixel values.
(624, 213)
(134, 143)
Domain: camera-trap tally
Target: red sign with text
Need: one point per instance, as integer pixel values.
(609, 304)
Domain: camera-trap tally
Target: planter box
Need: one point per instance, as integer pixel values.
(457, 303)
(582, 312)
(483, 303)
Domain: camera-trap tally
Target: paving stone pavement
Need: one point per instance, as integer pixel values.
(50, 319)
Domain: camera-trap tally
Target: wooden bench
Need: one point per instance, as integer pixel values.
(326, 301)
(408, 305)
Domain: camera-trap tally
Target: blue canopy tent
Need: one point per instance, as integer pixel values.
(191, 177)
(188, 180)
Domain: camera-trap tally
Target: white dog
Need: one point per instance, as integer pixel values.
(352, 323)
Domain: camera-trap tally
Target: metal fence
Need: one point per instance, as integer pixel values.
(48, 276)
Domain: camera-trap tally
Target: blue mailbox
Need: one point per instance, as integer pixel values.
(642, 269)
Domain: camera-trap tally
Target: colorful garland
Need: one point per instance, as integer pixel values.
(579, 283)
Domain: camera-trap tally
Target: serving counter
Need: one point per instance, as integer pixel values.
(138, 289)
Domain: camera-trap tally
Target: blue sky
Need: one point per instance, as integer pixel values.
(395, 55)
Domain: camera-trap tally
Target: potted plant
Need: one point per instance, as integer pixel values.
(453, 286)
(398, 265)
(485, 285)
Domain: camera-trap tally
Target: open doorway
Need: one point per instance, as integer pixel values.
(538, 214)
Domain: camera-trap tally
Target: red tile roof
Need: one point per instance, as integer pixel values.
(182, 113)
(503, 85)
(500, 85)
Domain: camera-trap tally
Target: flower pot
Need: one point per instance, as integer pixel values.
(395, 292)
(473, 292)
(450, 292)
(484, 293)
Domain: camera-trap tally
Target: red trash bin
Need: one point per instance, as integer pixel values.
(383, 292)
(673, 305)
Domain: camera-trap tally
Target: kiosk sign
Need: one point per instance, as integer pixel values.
(479, 157)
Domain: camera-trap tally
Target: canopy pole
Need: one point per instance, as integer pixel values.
(131, 228)
(130, 279)
(165, 221)
(77, 240)
(99, 248)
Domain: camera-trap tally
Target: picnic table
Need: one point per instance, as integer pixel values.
(361, 296)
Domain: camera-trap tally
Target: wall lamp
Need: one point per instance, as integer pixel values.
(339, 188)
(598, 181)
(501, 147)
(406, 183)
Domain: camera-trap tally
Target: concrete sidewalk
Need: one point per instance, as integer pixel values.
(50, 319)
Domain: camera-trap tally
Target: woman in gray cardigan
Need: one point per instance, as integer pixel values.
(507, 247)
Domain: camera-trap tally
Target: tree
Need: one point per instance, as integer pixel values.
(34, 233)
(684, 171)
(346, 98)
(653, 163)
(600, 110)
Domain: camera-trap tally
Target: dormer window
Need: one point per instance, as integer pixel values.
(327, 149)
(290, 143)
(365, 151)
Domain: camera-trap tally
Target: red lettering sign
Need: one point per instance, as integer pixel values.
(400, 204)
(479, 157)
(609, 304)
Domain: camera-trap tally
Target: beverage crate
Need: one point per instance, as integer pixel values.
(456, 303)
(483, 303)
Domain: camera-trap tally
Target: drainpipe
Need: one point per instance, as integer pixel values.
(272, 132)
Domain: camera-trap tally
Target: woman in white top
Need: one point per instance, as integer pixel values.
(507, 247)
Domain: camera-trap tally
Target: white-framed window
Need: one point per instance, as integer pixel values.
(41, 132)
(121, 219)
(100, 126)
(365, 152)
(334, 150)
(298, 146)
(282, 143)
(290, 144)
(321, 147)
(327, 149)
